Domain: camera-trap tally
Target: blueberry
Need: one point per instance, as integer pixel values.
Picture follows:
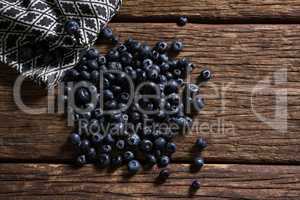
(85, 75)
(130, 72)
(171, 87)
(116, 89)
(73, 74)
(135, 46)
(205, 75)
(177, 73)
(163, 58)
(128, 156)
(164, 67)
(152, 74)
(93, 64)
(115, 40)
(108, 94)
(171, 148)
(92, 53)
(135, 117)
(133, 166)
(183, 20)
(101, 60)
(155, 55)
(163, 175)
(161, 47)
(103, 160)
(82, 96)
(164, 161)
(163, 79)
(91, 153)
(113, 55)
(198, 104)
(176, 46)
(198, 163)
(85, 145)
(75, 139)
(145, 51)
(81, 160)
(95, 76)
(160, 143)
(97, 138)
(147, 63)
(146, 145)
(116, 161)
(126, 58)
(106, 149)
(150, 160)
(109, 139)
(107, 33)
(200, 144)
(191, 89)
(122, 48)
(195, 185)
(72, 27)
(120, 144)
(134, 140)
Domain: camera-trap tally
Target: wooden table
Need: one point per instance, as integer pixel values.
(249, 44)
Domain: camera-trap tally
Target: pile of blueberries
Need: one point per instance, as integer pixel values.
(111, 129)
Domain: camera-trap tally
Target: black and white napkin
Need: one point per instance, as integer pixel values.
(33, 39)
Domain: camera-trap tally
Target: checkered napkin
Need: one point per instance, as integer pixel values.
(33, 39)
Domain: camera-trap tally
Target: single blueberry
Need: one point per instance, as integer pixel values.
(103, 160)
(164, 161)
(195, 185)
(198, 163)
(176, 46)
(134, 166)
(171, 148)
(182, 21)
(81, 160)
(75, 139)
(128, 156)
(205, 75)
(164, 175)
(72, 27)
(200, 144)
(116, 161)
(146, 145)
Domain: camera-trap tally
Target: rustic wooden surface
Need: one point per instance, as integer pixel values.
(35, 155)
(213, 10)
(221, 181)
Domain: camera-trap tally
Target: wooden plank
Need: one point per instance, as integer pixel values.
(35, 181)
(240, 56)
(212, 9)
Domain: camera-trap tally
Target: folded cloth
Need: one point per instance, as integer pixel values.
(34, 39)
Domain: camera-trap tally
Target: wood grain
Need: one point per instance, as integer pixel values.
(214, 10)
(35, 181)
(239, 56)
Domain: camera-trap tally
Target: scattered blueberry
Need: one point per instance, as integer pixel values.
(183, 20)
(133, 166)
(81, 160)
(75, 139)
(195, 185)
(163, 175)
(200, 144)
(171, 148)
(160, 143)
(164, 161)
(128, 156)
(72, 27)
(176, 46)
(198, 163)
(205, 75)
